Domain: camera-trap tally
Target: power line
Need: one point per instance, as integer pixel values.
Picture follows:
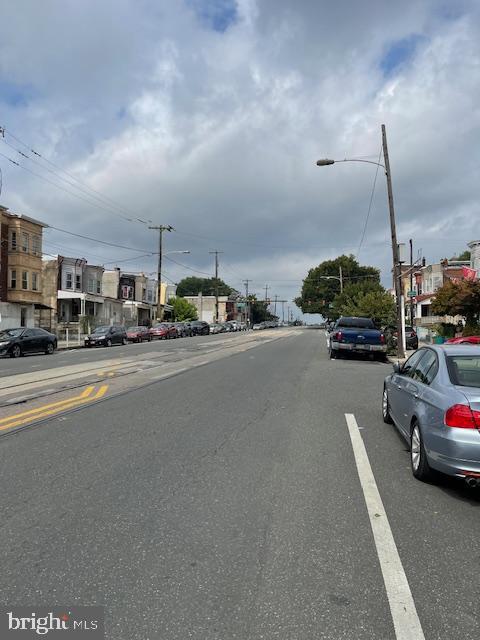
(370, 205)
(98, 195)
(187, 267)
(96, 240)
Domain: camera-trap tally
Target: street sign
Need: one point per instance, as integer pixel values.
(411, 294)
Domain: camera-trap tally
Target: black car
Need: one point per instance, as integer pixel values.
(200, 328)
(411, 338)
(106, 336)
(18, 342)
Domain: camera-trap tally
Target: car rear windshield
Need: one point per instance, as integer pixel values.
(101, 330)
(464, 370)
(357, 323)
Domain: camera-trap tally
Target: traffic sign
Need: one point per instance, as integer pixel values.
(411, 294)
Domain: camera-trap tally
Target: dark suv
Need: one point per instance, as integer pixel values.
(200, 328)
(106, 336)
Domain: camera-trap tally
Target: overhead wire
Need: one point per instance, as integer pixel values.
(91, 192)
(369, 205)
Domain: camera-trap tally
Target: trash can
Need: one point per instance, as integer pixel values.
(438, 340)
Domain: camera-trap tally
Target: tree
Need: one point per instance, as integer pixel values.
(259, 311)
(182, 309)
(466, 255)
(366, 301)
(318, 293)
(460, 298)
(192, 286)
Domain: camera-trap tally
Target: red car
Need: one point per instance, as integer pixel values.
(138, 334)
(163, 331)
(465, 340)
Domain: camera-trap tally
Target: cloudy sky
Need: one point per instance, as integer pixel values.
(209, 115)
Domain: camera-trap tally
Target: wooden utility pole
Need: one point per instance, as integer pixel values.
(215, 253)
(266, 293)
(160, 228)
(247, 303)
(340, 271)
(395, 256)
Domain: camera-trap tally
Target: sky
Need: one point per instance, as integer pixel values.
(209, 115)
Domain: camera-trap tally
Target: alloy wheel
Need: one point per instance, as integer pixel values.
(415, 448)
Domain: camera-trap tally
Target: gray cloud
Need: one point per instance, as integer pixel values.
(216, 130)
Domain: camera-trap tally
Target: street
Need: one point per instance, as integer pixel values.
(212, 492)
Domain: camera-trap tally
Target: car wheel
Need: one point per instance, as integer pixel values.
(16, 351)
(387, 418)
(108, 343)
(333, 354)
(50, 349)
(418, 457)
(124, 341)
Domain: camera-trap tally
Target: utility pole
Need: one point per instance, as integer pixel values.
(283, 311)
(247, 303)
(341, 279)
(215, 253)
(411, 281)
(266, 293)
(160, 228)
(275, 305)
(396, 261)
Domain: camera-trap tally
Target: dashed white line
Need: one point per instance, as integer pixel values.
(402, 606)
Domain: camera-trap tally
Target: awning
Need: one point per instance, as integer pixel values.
(40, 305)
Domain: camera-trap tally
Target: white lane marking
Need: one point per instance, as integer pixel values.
(402, 606)
(169, 374)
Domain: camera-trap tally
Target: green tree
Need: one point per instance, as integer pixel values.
(259, 311)
(466, 255)
(460, 298)
(318, 293)
(182, 309)
(192, 286)
(366, 301)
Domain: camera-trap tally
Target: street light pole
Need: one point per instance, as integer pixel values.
(393, 232)
(160, 228)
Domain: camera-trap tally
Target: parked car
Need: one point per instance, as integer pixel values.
(200, 328)
(160, 331)
(181, 329)
(434, 401)
(138, 334)
(356, 335)
(411, 338)
(107, 336)
(258, 326)
(217, 328)
(20, 341)
(188, 328)
(172, 330)
(464, 340)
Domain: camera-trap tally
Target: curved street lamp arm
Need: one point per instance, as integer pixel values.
(378, 164)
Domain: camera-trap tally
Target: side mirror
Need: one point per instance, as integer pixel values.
(397, 367)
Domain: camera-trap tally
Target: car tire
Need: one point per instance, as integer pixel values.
(50, 349)
(108, 343)
(124, 341)
(333, 354)
(387, 418)
(16, 351)
(418, 457)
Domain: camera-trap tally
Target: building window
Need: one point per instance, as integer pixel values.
(127, 292)
(91, 285)
(25, 242)
(99, 287)
(13, 279)
(78, 282)
(69, 280)
(13, 240)
(149, 295)
(36, 245)
(34, 281)
(24, 280)
(23, 317)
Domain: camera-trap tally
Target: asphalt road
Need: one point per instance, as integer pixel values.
(40, 362)
(225, 503)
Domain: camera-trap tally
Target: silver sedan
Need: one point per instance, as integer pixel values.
(434, 401)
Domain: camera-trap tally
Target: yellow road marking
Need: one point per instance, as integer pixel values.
(70, 404)
(44, 407)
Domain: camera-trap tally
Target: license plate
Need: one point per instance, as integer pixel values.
(363, 347)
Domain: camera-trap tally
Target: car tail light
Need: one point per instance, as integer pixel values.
(414, 333)
(338, 336)
(382, 339)
(462, 417)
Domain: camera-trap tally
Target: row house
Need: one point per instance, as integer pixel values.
(20, 269)
(137, 292)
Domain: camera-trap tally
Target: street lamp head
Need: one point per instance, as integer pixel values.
(324, 162)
